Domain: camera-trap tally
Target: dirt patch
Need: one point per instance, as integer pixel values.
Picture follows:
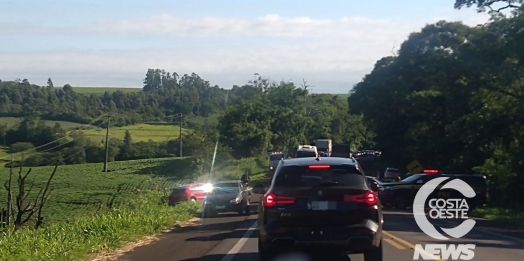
(118, 253)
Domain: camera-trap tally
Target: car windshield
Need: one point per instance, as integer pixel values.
(393, 170)
(276, 157)
(412, 178)
(304, 177)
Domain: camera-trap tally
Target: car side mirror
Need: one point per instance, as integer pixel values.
(374, 186)
(259, 189)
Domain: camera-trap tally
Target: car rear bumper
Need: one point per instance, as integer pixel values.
(353, 239)
(226, 207)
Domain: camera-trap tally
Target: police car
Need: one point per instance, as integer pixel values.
(400, 195)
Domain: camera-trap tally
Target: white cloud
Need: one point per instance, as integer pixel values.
(333, 52)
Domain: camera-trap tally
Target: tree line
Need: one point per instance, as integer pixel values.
(453, 98)
(163, 96)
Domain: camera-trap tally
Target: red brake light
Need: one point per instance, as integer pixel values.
(319, 166)
(369, 198)
(270, 200)
(431, 171)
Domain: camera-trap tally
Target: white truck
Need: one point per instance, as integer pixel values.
(306, 151)
(324, 145)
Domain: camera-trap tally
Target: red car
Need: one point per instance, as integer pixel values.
(193, 192)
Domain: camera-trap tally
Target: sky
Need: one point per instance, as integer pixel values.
(330, 44)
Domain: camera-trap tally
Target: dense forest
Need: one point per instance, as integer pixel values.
(452, 98)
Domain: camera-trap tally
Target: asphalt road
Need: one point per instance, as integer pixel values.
(229, 237)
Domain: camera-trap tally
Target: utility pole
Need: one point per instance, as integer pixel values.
(107, 143)
(180, 135)
(5, 134)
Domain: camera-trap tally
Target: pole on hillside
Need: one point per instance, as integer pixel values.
(107, 143)
(180, 135)
(5, 134)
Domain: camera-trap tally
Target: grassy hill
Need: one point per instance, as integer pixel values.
(343, 96)
(139, 132)
(84, 188)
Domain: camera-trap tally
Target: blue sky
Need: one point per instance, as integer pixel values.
(332, 44)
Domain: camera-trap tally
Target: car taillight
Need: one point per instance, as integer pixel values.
(270, 200)
(319, 166)
(369, 198)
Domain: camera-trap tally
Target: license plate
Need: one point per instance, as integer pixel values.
(220, 207)
(323, 205)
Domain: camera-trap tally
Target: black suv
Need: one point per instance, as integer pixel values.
(401, 194)
(324, 202)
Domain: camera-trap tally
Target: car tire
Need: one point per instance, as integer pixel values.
(207, 213)
(265, 254)
(374, 254)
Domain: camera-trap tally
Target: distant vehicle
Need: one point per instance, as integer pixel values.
(324, 145)
(401, 194)
(324, 202)
(340, 151)
(323, 154)
(274, 159)
(306, 151)
(391, 173)
(193, 192)
(227, 196)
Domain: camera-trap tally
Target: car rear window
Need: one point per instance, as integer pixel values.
(393, 170)
(303, 176)
(196, 187)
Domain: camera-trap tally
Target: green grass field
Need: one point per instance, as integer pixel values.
(81, 189)
(102, 90)
(139, 132)
(343, 96)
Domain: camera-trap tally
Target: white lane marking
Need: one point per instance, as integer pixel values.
(241, 242)
(489, 232)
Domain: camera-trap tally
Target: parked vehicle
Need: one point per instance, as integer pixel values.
(192, 191)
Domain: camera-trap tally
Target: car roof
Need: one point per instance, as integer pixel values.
(323, 160)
